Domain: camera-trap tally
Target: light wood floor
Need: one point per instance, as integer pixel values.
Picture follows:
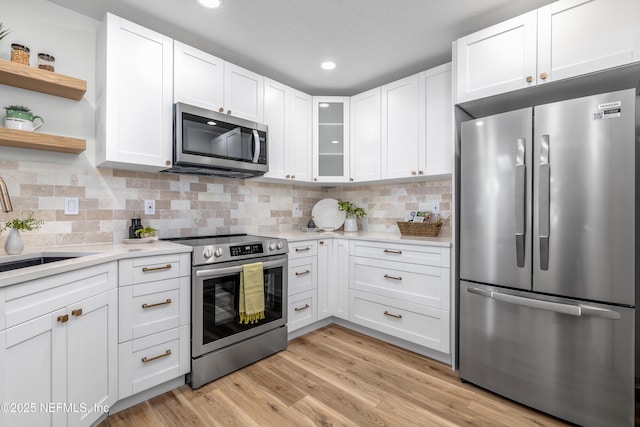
(334, 377)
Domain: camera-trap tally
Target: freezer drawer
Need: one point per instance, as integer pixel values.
(568, 358)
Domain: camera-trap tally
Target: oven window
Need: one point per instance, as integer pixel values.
(220, 311)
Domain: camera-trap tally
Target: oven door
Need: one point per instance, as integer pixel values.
(215, 304)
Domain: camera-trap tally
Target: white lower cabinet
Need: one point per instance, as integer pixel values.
(154, 327)
(59, 351)
(302, 310)
(303, 284)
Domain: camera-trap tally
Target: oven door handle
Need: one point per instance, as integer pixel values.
(232, 270)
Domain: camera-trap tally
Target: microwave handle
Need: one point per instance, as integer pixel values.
(256, 146)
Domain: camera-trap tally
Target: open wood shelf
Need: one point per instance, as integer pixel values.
(32, 78)
(41, 141)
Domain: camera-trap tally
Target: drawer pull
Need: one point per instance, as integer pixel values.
(302, 273)
(386, 276)
(151, 359)
(389, 251)
(63, 319)
(305, 249)
(304, 307)
(168, 301)
(397, 316)
(77, 312)
(148, 269)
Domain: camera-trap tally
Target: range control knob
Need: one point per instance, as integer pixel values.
(280, 245)
(272, 246)
(208, 253)
(218, 252)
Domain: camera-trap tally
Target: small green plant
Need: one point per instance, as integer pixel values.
(18, 108)
(3, 32)
(146, 232)
(28, 224)
(350, 209)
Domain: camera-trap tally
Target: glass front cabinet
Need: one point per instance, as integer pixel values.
(331, 139)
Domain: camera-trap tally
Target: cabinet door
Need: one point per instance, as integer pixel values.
(341, 282)
(326, 275)
(276, 116)
(400, 128)
(365, 139)
(243, 93)
(33, 371)
(582, 36)
(136, 96)
(330, 139)
(497, 59)
(198, 77)
(92, 356)
(438, 121)
(298, 157)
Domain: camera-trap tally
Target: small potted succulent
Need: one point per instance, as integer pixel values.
(353, 213)
(14, 244)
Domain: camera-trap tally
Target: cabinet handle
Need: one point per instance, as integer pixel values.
(228, 111)
(543, 76)
(315, 179)
(321, 242)
(151, 359)
(420, 172)
(302, 273)
(414, 173)
(167, 162)
(304, 307)
(305, 249)
(77, 312)
(350, 179)
(529, 79)
(293, 177)
(288, 176)
(386, 276)
(397, 316)
(389, 251)
(168, 301)
(220, 110)
(63, 319)
(148, 269)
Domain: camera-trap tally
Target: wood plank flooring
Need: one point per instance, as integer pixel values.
(334, 377)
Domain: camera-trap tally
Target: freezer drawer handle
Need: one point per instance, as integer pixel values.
(585, 310)
(572, 310)
(544, 202)
(520, 203)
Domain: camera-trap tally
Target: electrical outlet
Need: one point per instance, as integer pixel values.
(296, 210)
(149, 207)
(435, 207)
(71, 206)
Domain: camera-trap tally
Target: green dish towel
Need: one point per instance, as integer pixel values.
(251, 293)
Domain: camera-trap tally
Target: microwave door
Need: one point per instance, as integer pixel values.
(224, 145)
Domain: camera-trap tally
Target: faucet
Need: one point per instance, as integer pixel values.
(5, 200)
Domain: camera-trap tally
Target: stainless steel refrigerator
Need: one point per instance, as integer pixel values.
(548, 249)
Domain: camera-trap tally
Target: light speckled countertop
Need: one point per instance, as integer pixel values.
(364, 235)
(92, 255)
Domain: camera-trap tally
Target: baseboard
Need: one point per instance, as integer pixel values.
(130, 401)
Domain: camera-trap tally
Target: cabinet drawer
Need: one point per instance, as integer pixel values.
(421, 284)
(302, 310)
(152, 360)
(419, 324)
(148, 308)
(152, 268)
(303, 249)
(425, 255)
(303, 275)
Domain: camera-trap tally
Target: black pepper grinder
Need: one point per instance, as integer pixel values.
(138, 227)
(132, 229)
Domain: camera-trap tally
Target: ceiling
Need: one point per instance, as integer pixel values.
(373, 42)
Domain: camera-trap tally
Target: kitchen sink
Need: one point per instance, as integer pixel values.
(23, 261)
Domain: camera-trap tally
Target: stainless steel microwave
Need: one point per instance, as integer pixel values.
(211, 143)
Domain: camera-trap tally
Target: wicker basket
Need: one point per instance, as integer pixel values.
(424, 229)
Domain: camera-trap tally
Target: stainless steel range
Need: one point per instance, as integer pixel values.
(220, 344)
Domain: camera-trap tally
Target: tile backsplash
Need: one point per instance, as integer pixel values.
(188, 204)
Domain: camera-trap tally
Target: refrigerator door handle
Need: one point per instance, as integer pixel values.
(585, 310)
(544, 204)
(556, 307)
(520, 204)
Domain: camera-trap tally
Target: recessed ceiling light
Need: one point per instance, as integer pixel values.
(328, 65)
(323, 105)
(212, 4)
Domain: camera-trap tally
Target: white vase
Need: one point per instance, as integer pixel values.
(350, 225)
(14, 244)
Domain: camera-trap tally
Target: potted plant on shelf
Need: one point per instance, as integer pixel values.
(14, 244)
(353, 213)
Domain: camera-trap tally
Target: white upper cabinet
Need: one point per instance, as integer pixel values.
(134, 96)
(401, 145)
(565, 39)
(435, 85)
(330, 139)
(497, 59)
(288, 113)
(365, 141)
(209, 82)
